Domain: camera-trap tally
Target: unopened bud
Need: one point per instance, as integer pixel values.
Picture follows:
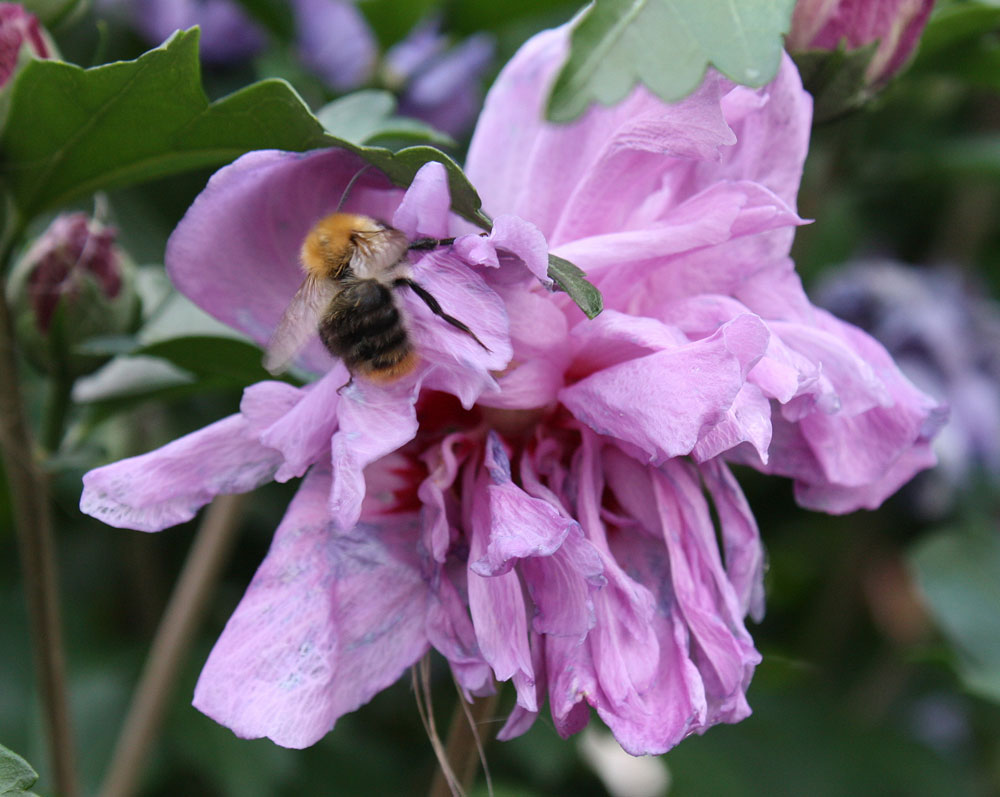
(74, 283)
(20, 29)
(848, 49)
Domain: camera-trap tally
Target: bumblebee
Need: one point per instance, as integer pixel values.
(353, 265)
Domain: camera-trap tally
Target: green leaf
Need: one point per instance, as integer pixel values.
(668, 45)
(220, 359)
(573, 280)
(16, 774)
(959, 573)
(363, 117)
(71, 131)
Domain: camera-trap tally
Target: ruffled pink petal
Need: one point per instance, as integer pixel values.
(664, 402)
(329, 620)
(302, 434)
(458, 364)
(424, 210)
(520, 525)
(169, 485)
(373, 421)
(236, 251)
(443, 462)
(510, 234)
(557, 176)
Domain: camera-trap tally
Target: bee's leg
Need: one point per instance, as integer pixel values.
(430, 243)
(432, 303)
(346, 384)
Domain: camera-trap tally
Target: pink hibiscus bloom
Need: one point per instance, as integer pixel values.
(541, 511)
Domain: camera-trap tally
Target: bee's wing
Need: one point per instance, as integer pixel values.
(299, 323)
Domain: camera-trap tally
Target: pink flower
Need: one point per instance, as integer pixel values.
(541, 512)
(18, 29)
(895, 24)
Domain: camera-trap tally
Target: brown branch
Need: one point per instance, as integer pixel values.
(36, 546)
(181, 619)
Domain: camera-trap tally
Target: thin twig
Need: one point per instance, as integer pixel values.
(181, 619)
(36, 545)
(464, 748)
(425, 707)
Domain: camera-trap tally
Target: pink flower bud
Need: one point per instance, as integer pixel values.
(895, 24)
(72, 284)
(19, 28)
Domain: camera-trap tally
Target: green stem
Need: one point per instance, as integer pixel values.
(56, 410)
(36, 546)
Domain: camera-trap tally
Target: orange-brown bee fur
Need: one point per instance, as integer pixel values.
(353, 263)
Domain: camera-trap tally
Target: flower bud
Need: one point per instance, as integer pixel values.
(848, 49)
(895, 24)
(18, 29)
(73, 283)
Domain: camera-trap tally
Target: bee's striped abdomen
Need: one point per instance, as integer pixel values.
(363, 327)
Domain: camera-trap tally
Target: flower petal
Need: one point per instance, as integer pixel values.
(423, 213)
(329, 620)
(664, 402)
(169, 485)
(373, 421)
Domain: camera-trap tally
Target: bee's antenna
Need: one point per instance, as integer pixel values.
(350, 185)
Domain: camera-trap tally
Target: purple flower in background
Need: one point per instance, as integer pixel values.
(227, 32)
(946, 338)
(556, 511)
(895, 24)
(334, 41)
(440, 84)
(18, 29)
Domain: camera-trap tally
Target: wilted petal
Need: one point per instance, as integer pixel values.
(169, 485)
(329, 620)
(450, 631)
(740, 538)
(497, 607)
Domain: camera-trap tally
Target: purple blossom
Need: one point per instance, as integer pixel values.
(440, 84)
(227, 32)
(946, 338)
(541, 512)
(895, 24)
(334, 41)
